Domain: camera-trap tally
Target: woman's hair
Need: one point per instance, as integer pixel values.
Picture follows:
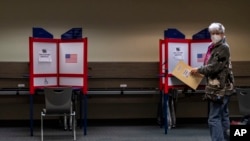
(216, 27)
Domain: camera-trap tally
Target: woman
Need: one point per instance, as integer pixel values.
(217, 69)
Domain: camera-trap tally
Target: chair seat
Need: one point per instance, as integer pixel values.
(243, 95)
(54, 112)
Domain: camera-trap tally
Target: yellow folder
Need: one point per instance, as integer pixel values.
(182, 72)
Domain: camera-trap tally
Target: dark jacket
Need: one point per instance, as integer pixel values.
(218, 71)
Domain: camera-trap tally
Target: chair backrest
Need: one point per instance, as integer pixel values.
(58, 99)
(243, 95)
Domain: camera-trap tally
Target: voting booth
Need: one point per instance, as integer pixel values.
(173, 49)
(57, 62)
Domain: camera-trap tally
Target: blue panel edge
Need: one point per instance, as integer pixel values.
(73, 33)
(173, 33)
(39, 32)
(201, 35)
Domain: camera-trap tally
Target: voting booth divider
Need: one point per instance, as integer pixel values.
(58, 63)
(173, 49)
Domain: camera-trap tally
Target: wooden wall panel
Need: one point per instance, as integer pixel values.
(109, 75)
(112, 74)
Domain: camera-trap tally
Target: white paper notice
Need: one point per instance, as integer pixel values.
(44, 56)
(178, 55)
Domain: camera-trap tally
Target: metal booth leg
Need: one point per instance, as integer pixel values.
(31, 115)
(84, 112)
(166, 112)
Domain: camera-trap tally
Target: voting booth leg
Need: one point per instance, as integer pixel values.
(80, 111)
(166, 112)
(84, 111)
(160, 115)
(31, 115)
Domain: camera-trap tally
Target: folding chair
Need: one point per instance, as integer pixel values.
(243, 95)
(58, 102)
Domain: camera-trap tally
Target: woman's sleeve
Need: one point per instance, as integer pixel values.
(217, 64)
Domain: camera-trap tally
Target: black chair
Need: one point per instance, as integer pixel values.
(243, 95)
(58, 102)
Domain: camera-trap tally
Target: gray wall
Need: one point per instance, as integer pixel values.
(121, 30)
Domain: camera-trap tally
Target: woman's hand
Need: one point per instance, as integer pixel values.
(194, 71)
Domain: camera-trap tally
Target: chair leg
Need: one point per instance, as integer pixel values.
(74, 126)
(41, 126)
(70, 123)
(70, 117)
(65, 122)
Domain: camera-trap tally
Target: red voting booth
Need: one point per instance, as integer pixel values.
(173, 48)
(58, 63)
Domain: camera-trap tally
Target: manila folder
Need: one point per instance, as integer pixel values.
(182, 72)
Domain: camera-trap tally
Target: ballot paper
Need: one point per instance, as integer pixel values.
(182, 72)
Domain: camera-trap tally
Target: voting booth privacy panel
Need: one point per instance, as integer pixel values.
(58, 62)
(172, 50)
